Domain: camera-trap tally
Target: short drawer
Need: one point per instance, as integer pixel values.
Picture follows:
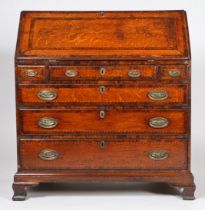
(103, 154)
(31, 72)
(103, 121)
(158, 94)
(174, 72)
(138, 72)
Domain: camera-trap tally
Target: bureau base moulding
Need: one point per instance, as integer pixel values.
(182, 179)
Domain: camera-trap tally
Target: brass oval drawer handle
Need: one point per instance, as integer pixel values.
(158, 122)
(102, 71)
(48, 154)
(134, 73)
(158, 155)
(102, 114)
(71, 73)
(102, 89)
(31, 73)
(102, 144)
(174, 72)
(47, 122)
(158, 95)
(47, 95)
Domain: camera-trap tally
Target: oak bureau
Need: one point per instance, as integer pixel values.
(103, 96)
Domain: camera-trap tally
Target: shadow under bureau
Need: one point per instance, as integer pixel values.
(103, 96)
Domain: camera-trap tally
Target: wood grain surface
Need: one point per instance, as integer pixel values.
(114, 146)
(113, 35)
(147, 72)
(114, 121)
(79, 154)
(112, 94)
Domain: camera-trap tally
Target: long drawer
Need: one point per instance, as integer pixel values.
(157, 94)
(103, 121)
(100, 154)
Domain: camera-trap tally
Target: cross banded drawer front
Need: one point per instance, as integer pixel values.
(79, 154)
(31, 72)
(139, 72)
(173, 72)
(47, 122)
(94, 121)
(106, 94)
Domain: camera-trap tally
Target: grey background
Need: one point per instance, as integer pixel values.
(94, 197)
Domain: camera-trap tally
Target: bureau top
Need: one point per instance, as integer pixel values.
(150, 35)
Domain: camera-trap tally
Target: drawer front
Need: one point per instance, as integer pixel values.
(100, 154)
(175, 94)
(31, 72)
(173, 72)
(139, 72)
(103, 121)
